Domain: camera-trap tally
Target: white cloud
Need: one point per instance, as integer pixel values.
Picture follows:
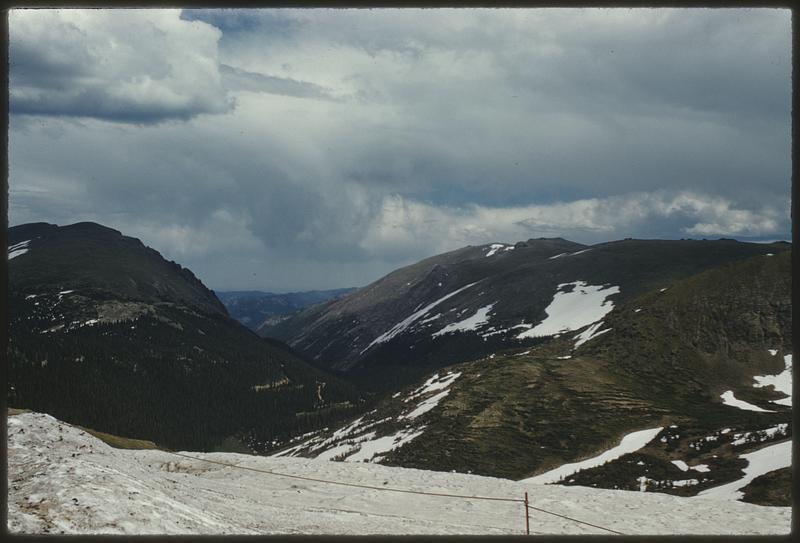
(122, 65)
(406, 226)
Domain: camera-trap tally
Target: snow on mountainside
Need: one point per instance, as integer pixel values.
(574, 305)
(492, 297)
(572, 409)
(18, 249)
(62, 480)
(357, 441)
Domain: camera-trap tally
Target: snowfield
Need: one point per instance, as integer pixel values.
(572, 310)
(64, 480)
(759, 462)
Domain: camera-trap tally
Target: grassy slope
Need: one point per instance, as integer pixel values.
(514, 416)
(773, 488)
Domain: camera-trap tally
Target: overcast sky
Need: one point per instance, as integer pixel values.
(298, 149)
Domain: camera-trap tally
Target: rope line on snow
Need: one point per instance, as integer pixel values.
(392, 489)
(342, 483)
(575, 520)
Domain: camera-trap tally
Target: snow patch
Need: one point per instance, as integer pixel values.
(405, 323)
(630, 443)
(433, 384)
(426, 405)
(495, 247)
(589, 334)
(781, 382)
(761, 435)
(683, 466)
(758, 463)
(480, 318)
(583, 305)
(579, 252)
(729, 399)
(382, 445)
(18, 249)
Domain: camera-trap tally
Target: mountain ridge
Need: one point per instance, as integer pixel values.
(490, 295)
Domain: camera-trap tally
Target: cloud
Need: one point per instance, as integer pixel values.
(236, 79)
(138, 66)
(362, 140)
(405, 227)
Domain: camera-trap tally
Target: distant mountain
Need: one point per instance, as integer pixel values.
(255, 309)
(704, 362)
(106, 333)
(479, 299)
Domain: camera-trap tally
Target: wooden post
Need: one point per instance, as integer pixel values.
(527, 521)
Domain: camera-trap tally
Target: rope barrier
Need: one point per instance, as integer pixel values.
(575, 520)
(400, 490)
(356, 485)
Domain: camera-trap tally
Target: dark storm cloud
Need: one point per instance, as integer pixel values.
(361, 140)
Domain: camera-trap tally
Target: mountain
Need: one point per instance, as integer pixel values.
(106, 333)
(480, 299)
(699, 369)
(255, 309)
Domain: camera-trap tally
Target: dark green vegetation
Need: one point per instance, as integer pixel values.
(106, 334)
(773, 488)
(519, 283)
(516, 415)
(255, 309)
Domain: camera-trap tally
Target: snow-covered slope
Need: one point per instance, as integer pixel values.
(64, 480)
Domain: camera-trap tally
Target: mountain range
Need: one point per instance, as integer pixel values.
(476, 300)
(504, 360)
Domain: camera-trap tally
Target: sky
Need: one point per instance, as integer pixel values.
(291, 149)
